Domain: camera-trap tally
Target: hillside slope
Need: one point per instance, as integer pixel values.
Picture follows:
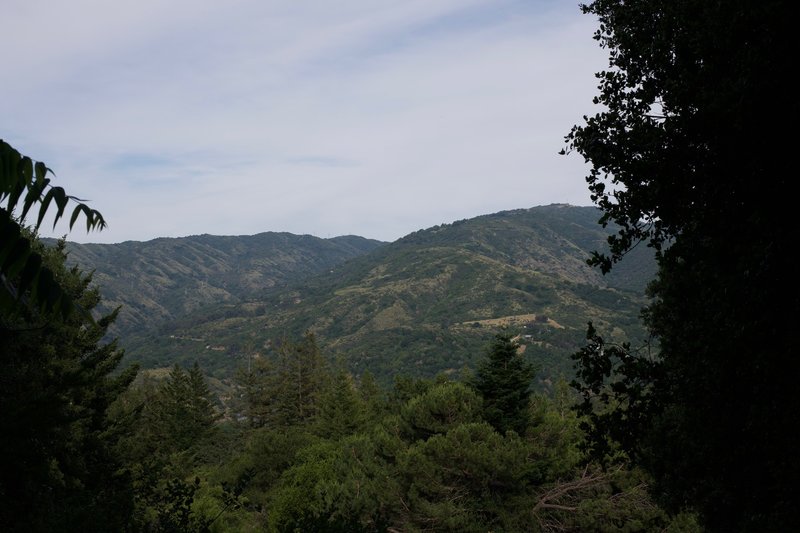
(430, 301)
(164, 279)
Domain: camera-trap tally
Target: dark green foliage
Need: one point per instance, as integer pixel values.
(438, 466)
(56, 385)
(503, 380)
(24, 273)
(182, 413)
(341, 410)
(421, 457)
(260, 387)
(631, 377)
(303, 375)
(469, 479)
(174, 508)
(286, 389)
(268, 452)
(170, 431)
(683, 159)
(372, 397)
(440, 408)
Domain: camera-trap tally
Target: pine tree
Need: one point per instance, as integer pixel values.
(341, 411)
(302, 373)
(286, 390)
(201, 405)
(374, 399)
(56, 385)
(182, 413)
(260, 385)
(503, 380)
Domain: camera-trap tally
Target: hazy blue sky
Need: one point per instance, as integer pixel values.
(366, 117)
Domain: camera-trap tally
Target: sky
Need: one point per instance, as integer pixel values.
(367, 117)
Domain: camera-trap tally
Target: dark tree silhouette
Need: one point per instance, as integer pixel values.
(687, 157)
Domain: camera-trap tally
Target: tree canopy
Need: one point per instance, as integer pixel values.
(684, 158)
(57, 382)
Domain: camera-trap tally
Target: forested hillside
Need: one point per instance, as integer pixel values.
(478, 376)
(164, 279)
(425, 303)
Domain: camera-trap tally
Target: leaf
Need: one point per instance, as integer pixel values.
(14, 194)
(41, 171)
(20, 175)
(61, 202)
(43, 208)
(33, 195)
(8, 160)
(75, 213)
(8, 173)
(27, 169)
(94, 220)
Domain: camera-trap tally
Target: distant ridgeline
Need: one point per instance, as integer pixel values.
(165, 279)
(424, 304)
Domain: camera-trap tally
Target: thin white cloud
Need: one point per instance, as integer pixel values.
(368, 117)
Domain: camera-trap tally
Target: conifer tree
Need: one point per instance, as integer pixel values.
(302, 374)
(285, 390)
(503, 380)
(260, 386)
(56, 385)
(341, 411)
(182, 412)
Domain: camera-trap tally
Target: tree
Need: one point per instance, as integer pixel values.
(469, 478)
(684, 159)
(57, 381)
(440, 408)
(260, 386)
(341, 410)
(503, 379)
(182, 412)
(286, 390)
(302, 373)
(23, 273)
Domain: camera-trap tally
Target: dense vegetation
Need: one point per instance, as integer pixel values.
(310, 447)
(299, 443)
(695, 426)
(25, 189)
(684, 160)
(56, 384)
(421, 305)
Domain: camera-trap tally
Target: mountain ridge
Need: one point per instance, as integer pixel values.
(427, 302)
(163, 278)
